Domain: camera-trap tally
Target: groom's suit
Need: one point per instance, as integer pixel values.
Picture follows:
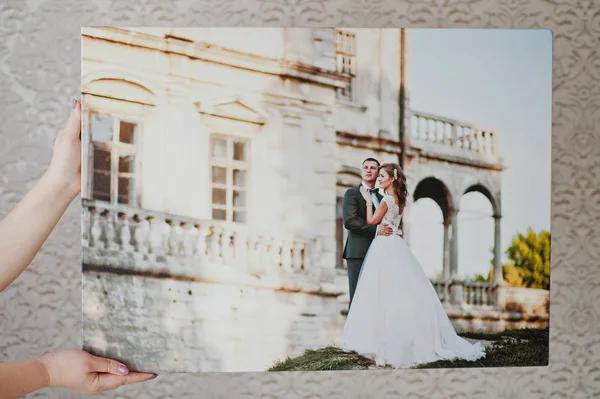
(360, 234)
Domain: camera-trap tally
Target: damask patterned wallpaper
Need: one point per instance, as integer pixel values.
(40, 71)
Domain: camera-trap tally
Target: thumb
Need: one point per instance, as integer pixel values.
(73, 127)
(103, 365)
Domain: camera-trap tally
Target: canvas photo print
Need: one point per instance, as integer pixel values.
(301, 199)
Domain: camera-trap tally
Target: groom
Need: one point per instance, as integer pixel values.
(361, 234)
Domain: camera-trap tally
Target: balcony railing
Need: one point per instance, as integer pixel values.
(114, 232)
(454, 134)
(478, 294)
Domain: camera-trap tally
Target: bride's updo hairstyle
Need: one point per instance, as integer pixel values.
(399, 182)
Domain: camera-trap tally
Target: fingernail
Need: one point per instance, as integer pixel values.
(153, 377)
(73, 103)
(122, 370)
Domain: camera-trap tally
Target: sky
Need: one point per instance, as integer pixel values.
(496, 78)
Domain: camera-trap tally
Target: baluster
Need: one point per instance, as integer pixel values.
(264, 252)
(275, 252)
(175, 239)
(454, 134)
(95, 230)
(156, 236)
(215, 244)
(226, 246)
(306, 254)
(266, 256)
(286, 255)
(110, 232)
(140, 235)
(190, 237)
(240, 245)
(483, 141)
(125, 233)
(444, 136)
(254, 248)
(201, 244)
(297, 255)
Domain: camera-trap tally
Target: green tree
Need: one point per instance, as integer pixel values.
(529, 260)
(512, 276)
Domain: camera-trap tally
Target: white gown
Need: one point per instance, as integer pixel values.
(396, 317)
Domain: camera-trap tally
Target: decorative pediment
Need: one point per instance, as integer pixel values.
(232, 108)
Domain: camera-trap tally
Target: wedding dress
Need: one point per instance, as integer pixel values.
(396, 317)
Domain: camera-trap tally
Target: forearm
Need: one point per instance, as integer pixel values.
(22, 377)
(28, 225)
(358, 225)
(370, 216)
(353, 221)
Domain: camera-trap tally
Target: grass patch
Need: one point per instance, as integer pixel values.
(328, 358)
(534, 334)
(511, 348)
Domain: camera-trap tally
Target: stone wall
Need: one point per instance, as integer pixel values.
(168, 325)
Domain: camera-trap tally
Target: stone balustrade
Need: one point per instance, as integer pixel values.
(125, 235)
(477, 294)
(453, 133)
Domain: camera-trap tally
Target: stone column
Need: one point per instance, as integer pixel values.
(456, 290)
(454, 244)
(498, 275)
(446, 261)
(446, 253)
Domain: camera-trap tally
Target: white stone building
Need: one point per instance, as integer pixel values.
(217, 160)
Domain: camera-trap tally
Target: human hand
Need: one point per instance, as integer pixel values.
(88, 374)
(366, 194)
(384, 230)
(65, 168)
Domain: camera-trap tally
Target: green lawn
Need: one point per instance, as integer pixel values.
(511, 348)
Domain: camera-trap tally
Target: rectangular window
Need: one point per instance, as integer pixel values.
(346, 62)
(113, 152)
(229, 178)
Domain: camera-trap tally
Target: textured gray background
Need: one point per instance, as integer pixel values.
(39, 72)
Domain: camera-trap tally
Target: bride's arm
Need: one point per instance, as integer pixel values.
(379, 213)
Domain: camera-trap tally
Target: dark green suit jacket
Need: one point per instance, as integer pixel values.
(360, 234)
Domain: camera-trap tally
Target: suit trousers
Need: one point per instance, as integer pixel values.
(354, 266)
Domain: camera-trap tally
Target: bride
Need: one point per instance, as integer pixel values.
(396, 317)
